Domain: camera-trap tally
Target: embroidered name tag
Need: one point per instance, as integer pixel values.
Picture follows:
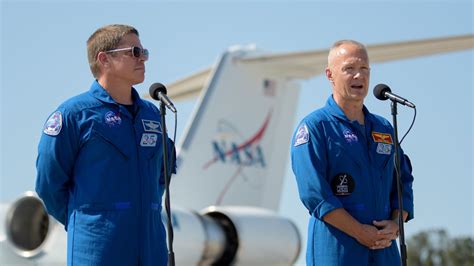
(149, 140)
(383, 148)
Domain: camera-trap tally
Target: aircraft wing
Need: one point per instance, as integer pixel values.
(190, 86)
(303, 65)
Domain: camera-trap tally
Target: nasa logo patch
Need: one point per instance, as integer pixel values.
(350, 136)
(302, 135)
(342, 184)
(54, 124)
(112, 119)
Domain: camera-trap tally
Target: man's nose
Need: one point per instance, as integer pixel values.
(359, 74)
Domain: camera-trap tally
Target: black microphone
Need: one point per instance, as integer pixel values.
(383, 92)
(158, 92)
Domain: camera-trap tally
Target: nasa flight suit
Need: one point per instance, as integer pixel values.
(100, 173)
(341, 164)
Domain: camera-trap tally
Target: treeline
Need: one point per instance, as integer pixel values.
(436, 248)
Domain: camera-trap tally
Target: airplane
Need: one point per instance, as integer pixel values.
(231, 162)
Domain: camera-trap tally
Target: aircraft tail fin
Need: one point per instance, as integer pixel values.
(235, 150)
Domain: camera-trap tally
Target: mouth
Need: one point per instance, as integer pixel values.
(358, 87)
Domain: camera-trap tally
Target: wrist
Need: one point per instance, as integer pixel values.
(357, 230)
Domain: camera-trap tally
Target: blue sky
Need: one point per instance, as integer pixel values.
(43, 62)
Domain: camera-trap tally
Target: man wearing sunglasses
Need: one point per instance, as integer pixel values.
(99, 165)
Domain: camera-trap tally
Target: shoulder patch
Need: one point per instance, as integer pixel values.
(54, 124)
(302, 135)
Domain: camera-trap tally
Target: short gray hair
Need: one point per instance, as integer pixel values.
(342, 42)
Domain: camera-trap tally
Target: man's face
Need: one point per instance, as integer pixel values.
(349, 73)
(124, 66)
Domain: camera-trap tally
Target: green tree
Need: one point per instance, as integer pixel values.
(462, 251)
(436, 248)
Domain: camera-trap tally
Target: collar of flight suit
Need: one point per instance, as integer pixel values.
(102, 95)
(336, 111)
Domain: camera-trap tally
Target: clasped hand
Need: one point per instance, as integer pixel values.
(379, 235)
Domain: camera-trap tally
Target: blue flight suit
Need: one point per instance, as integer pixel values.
(99, 172)
(341, 164)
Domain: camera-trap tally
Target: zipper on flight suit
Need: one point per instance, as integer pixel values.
(376, 179)
(372, 178)
(133, 118)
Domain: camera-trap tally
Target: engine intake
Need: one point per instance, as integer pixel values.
(27, 225)
(255, 236)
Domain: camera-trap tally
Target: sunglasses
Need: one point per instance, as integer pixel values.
(136, 51)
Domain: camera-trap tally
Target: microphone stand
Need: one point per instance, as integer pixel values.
(171, 261)
(403, 248)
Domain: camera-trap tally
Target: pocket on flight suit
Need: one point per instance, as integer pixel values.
(106, 140)
(104, 171)
(99, 232)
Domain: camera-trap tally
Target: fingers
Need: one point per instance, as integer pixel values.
(395, 235)
(388, 235)
(380, 223)
(378, 239)
(387, 228)
(380, 244)
(384, 227)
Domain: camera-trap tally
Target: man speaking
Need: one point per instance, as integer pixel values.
(343, 159)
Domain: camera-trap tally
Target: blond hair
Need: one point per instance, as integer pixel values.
(104, 39)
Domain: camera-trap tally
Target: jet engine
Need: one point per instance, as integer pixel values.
(255, 236)
(218, 235)
(234, 235)
(30, 231)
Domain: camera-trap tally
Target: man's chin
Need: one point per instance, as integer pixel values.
(139, 80)
(359, 95)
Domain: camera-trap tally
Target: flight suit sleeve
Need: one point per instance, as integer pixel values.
(57, 150)
(407, 183)
(309, 164)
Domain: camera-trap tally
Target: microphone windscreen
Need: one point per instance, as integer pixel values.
(155, 88)
(380, 90)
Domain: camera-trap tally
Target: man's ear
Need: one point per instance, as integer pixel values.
(329, 74)
(102, 59)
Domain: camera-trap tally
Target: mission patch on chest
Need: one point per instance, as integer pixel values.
(342, 184)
